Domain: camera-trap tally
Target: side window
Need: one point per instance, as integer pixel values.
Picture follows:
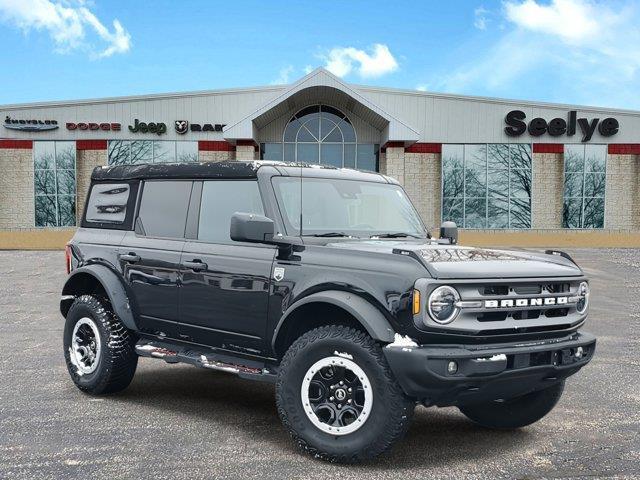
(220, 200)
(108, 203)
(163, 209)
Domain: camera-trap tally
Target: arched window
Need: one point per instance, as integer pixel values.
(320, 134)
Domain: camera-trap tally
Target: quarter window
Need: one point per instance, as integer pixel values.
(487, 185)
(54, 182)
(132, 152)
(163, 209)
(584, 186)
(220, 200)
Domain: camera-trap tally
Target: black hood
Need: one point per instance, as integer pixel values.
(453, 261)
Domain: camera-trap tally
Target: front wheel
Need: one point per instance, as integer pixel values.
(516, 412)
(338, 398)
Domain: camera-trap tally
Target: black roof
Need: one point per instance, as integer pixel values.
(225, 169)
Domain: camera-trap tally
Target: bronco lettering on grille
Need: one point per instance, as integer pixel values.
(526, 302)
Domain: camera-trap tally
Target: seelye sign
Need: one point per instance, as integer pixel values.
(516, 125)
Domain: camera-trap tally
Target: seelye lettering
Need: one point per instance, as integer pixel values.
(151, 127)
(516, 125)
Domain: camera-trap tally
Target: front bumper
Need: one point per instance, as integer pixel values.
(486, 372)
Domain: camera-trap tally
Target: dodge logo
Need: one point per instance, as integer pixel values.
(526, 302)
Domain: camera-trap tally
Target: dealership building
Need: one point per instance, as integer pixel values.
(507, 172)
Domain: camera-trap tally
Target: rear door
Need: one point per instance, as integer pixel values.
(225, 284)
(150, 255)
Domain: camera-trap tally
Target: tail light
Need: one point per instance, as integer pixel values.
(67, 257)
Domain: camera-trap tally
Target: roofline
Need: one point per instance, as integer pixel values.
(493, 100)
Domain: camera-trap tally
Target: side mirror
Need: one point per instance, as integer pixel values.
(449, 230)
(249, 227)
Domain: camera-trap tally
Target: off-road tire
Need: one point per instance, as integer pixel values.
(118, 360)
(516, 412)
(391, 410)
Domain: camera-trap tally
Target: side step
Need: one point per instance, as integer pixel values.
(249, 369)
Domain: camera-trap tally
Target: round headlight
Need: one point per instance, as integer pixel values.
(583, 297)
(442, 304)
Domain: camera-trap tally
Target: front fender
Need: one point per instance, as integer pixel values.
(111, 283)
(372, 319)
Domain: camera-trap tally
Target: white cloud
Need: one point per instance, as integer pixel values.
(69, 23)
(308, 69)
(341, 61)
(284, 75)
(481, 20)
(578, 51)
(421, 87)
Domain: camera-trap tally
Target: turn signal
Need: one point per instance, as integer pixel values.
(416, 302)
(67, 257)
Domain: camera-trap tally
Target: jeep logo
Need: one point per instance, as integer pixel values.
(151, 127)
(526, 302)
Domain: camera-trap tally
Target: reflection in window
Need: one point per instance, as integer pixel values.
(584, 186)
(322, 134)
(487, 185)
(133, 152)
(54, 182)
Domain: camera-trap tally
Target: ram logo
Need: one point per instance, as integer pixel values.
(526, 302)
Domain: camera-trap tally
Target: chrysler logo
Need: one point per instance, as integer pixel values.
(526, 302)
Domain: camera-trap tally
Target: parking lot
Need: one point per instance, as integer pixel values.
(180, 422)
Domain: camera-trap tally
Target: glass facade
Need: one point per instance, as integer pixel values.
(131, 152)
(584, 186)
(322, 134)
(487, 185)
(54, 182)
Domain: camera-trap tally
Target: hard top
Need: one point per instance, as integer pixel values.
(231, 169)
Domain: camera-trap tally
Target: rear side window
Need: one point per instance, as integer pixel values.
(110, 205)
(220, 200)
(163, 209)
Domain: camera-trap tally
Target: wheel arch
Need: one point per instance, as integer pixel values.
(330, 307)
(98, 279)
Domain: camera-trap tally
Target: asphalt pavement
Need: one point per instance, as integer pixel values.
(180, 422)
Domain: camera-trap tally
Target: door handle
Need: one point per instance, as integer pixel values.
(195, 265)
(129, 257)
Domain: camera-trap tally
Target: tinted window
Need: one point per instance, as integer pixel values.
(163, 210)
(220, 200)
(108, 203)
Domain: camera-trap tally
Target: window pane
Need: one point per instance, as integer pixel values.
(520, 183)
(118, 152)
(498, 213)
(367, 157)
(331, 154)
(215, 215)
(164, 152)
(498, 183)
(350, 155)
(452, 210)
(475, 182)
(593, 213)
(520, 155)
(594, 184)
(572, 213)
(141, 152)
(44, 155)
(573, 184)
(452, 157)
(66, 181)
(310, 130)
(574, 158)
(289, 152)
(329, 131)
(475, 213)
(307, 152)
(520, 213)
(163, 209)
(187, 152)
(271, 151)
(44, 182)
(67, 210)
(595, 158)
(498, 156)
(348, 132)
(291, 130)
(66, 155)
(453, 183)
(46, 211)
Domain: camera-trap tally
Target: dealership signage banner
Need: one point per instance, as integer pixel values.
(158, 128)
(516, 125)
(30, 125)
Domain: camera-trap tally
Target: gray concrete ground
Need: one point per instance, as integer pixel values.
(185, 423)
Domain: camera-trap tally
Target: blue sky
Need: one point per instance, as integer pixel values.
(570, 51)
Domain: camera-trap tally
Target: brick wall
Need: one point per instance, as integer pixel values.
(547, 190)
(86, 161)
(246, 152)
(422, 181)
(394, 163)
(622, 207)
(16, 188)
(216, 156)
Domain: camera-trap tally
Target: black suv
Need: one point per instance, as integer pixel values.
(325, 282)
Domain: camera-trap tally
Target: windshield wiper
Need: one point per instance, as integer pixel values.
(330, 234)
(395, 235)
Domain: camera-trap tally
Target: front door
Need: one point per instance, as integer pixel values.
(225, 284)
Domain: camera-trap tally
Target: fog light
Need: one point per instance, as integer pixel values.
(452, 367)
(579, 352)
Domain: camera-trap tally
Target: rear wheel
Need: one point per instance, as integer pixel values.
(515, 412)
(98, 349)
(338, 398)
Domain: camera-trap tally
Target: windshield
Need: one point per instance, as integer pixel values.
(335, 208)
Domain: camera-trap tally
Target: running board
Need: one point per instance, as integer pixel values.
(251, 369)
